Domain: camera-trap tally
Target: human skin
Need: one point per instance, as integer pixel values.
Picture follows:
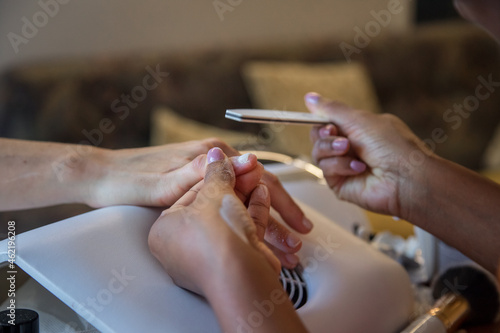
(366, 160)
(208, 243)
(371, 160)
(37, 174)
(369, 165)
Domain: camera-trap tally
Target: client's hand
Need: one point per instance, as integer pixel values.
(152, 176)
(210, 227)
(159, 176)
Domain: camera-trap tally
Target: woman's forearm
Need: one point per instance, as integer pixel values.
(36, 174)
(461, 208)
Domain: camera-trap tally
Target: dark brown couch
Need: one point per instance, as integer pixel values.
(416, 76)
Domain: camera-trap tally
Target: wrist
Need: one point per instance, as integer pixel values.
(247, 281)
(223, 267)
(233, 268)
(416, 184)
(89, 172)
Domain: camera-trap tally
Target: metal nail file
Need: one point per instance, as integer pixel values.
(276, 116)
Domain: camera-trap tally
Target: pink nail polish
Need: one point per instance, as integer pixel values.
(313, 98)
(324, 132)
(340, 144)
(215, 154)
(357, 166)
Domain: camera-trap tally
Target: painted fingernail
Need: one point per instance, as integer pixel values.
(357, 166)
(215, 154)
(313, 98)
(307, 223)
(293, 241)
(326, 131)
(292, 259)
(340, 144)
(244, 158)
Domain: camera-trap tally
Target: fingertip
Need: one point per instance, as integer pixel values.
(307, 224)
(327, 131)
(357, 166)
(261, 191)
(303, 226)
(219, 168)
(293, 241)
(214, 155)
(312, 98)
(340, 145)
(244, 163)
(246, 158)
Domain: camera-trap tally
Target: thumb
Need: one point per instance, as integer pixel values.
(219, 171)
(341, 114)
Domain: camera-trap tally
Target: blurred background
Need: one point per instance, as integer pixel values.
(93, 28)
(165, 71)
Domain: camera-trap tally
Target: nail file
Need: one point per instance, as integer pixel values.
(276, 116)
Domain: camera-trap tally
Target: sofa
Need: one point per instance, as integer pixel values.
(417, 76)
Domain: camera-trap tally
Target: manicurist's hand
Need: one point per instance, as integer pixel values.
(203, 226)
(208, 243)
(368, 159)
(375, 161)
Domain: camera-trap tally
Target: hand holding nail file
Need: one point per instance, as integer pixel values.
(276, 116)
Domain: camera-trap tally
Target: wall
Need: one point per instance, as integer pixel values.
(61, 28)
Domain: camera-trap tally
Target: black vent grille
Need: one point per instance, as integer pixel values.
(295, 285)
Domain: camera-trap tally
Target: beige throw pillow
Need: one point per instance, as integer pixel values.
(169, 127)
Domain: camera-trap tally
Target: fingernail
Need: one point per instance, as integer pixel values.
(313, 98)
(307, 223)
(262, 191)
(244, 158)
(326, 131)
(215, 154)
(357, 166)
(292, 259)
(293, 241)
(340, 144)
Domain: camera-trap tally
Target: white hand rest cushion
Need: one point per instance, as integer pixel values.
(99, 264)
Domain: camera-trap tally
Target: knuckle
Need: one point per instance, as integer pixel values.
(260, 204)
(259, 223)
(333, 104)
(215, 142)
(209, 143)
